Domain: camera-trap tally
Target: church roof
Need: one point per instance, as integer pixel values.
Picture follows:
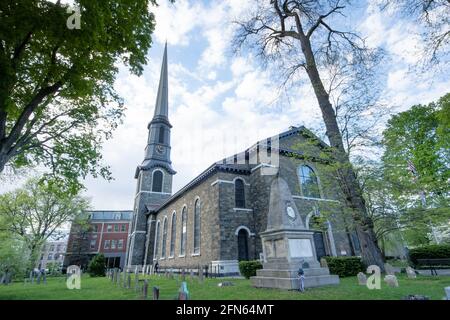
(225, 166)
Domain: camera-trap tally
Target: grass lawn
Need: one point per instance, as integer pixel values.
(103, 289)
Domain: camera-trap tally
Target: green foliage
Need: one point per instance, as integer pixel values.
(97, 265)
(248, 268)
(345, 266)
(57, 97)
(430, 252)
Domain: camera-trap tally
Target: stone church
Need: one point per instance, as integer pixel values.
(215, 220)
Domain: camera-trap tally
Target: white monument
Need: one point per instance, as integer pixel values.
(288, 246)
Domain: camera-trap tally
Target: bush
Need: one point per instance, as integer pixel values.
(248, 268)
(96, 267)
(435, 251)
(345, 266)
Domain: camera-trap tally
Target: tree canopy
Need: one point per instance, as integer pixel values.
(57, 99)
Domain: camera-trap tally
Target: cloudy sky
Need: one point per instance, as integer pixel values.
(220, 103)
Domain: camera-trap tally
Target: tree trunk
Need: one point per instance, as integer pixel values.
(370, 251)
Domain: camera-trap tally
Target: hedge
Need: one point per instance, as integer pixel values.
(435, 251)
(345, 266)
(248, 268)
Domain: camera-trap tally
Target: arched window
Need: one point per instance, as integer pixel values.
(183, 232)
(308, 182)
(161, 135)
(157, 181)
(164, 239)
(197, 227)
(156, 251)
(173, 233)
(239, 193)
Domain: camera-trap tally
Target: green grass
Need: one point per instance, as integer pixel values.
(103, 289)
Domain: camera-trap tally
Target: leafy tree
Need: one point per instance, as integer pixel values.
(37, 211)
(57, 100)
(305, 36)
(12, 251)
(96, 267)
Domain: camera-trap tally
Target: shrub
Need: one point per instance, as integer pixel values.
(345, 266)
(248, 268)
(96, 267)
(435, 251)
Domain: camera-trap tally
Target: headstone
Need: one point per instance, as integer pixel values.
(200, 274)
(447, 293)
(183, 293)
(136, 282)
(389, 269)
(362, 279)
(44, 275)
(411, 273)
(3, 278)
(38, 281)
(323, 263)
(183, 275)
(191, 274)
(31, 276)
(391, 280)
(155, 293)
(225, 284)
(145, 290)
(129, 281)
(119, 278)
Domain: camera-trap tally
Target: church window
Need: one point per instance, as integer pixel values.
(164, 238)
(173, 233)
(197, 227)
(157, 181)
(156, 251)
(239, 193)
(183, 232)
(308, 182)
(161, 135)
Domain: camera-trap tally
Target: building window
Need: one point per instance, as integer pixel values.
(183, 232)
(120, 244)
(113, 244)
(109, 228)
(161, 135)
(197, 227)
(106, 246)
(173, 233)
(156, 240)
(239, 193)
(52, 247)
(50, 256)
(95, 228)
(93, 242)
(116, 228)
(308, 182)
(164, 238)
(157, 181)
(123, 228)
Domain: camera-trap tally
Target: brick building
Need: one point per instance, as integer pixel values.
(216, 218)
(106, 233)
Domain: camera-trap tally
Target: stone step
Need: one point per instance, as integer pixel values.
(292, 273)
(293, 283)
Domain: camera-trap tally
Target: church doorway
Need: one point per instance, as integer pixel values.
(243, 245)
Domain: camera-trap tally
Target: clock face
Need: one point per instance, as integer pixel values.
(290, 212)
(160, 149)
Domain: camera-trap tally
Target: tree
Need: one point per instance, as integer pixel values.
(57, 100)
(37, 211)
(434, 17)
(97, 266)
(302, 34)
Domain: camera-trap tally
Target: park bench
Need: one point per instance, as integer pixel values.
(432, 263)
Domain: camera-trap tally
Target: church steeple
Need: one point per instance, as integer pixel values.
(157, 151)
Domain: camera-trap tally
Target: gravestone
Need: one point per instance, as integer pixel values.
(411, 272)
(323, 263)
(145, 290)
(129, 281)
(155, 293)
(38, 281)
(183, 275)
(225, 284)
(31, 276)
(362, 279)
(136, 282)
(391, 280)
(389, 269)
(288, 246)
(447, 293)
(119, 278)
(183, 293)
(200, 274)
(191, 274)
(44, 276)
